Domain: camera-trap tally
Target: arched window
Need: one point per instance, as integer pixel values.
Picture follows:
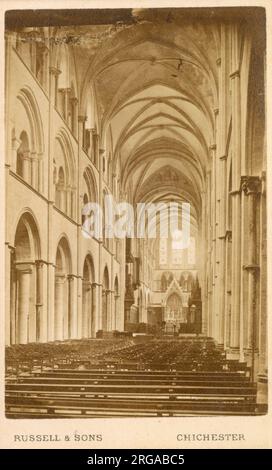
(163, 283)
(60, 190)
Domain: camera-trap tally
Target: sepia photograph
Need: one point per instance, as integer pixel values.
(135, 213)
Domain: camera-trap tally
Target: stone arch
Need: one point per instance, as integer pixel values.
(29, 102)
(28, 139)
(26, 282)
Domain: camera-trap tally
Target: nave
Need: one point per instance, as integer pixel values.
(149, 108)
(106, 378)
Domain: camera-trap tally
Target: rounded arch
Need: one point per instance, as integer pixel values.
(63, 255)
(29, 102)
(88, 268)
(27, 239)
(25, 282)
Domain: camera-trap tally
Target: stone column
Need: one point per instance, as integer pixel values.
(65, 96)
(54, 78)
(34, 170)
(251, 186)
(227, 297)
(94, 323)
(62, 198)
(116, 312)
(81, 130)
(86, 308)
(111, 321)
(71, 317)
(236, 187)
(236, 273)
(262, 378)
(26, 166)
(73, 115)
(40, 178)
(105, 310)
(24, 272)
(59, 304)
(68, 192)
(10, 279)
(15, 146)
(39, 300)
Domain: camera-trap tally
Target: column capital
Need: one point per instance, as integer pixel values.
(10, 247)
(74, 100)
(106, 291)
(65, 90)
(250, 184)
(54, 71)
(228, 235)
(39, 263)
(15, 143)
(60, 278)
(212, 147)
(82, 118)
(235, 192)
(235, 74)
(251, 267)
(24, 268)
(95, 284)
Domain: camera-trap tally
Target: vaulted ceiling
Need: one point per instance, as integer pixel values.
(156, 86)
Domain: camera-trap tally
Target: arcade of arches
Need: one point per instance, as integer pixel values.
(158, 107)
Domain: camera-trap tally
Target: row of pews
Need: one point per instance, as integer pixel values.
(158, 378)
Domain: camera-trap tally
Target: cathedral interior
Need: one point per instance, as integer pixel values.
(148, 106)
